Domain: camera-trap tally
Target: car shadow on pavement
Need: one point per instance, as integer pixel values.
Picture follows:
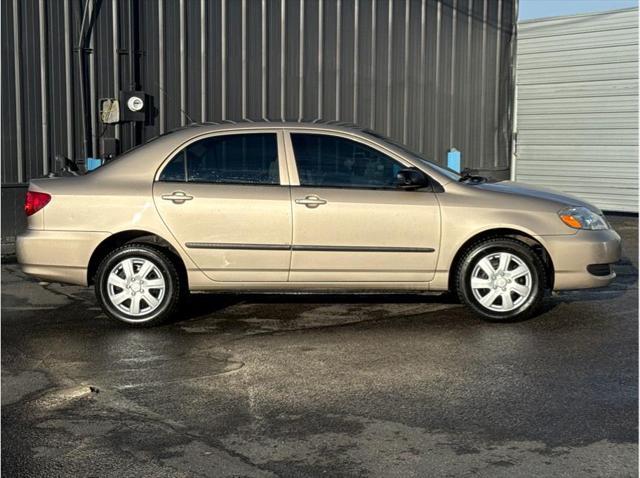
(339, 308)
(306, 309)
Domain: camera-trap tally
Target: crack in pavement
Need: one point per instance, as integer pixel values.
(74, 400)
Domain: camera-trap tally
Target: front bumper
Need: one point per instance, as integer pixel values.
(57, 256)
(572, 254)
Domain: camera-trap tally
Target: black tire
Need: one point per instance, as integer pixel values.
(476, 252)
(172, 294)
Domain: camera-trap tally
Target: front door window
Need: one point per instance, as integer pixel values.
(331, 161)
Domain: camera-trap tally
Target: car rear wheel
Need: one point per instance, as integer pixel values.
(139, 285)
(501, 279)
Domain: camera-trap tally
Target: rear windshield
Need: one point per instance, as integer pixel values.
(131, 150)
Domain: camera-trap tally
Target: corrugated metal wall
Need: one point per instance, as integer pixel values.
(577, 106)
(432, 74)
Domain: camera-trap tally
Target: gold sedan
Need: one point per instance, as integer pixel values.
(305, 207)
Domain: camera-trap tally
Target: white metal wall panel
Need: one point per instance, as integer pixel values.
(577, 106)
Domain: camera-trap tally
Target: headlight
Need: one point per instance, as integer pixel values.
(583, 218)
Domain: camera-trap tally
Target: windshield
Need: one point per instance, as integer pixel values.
(450, 173)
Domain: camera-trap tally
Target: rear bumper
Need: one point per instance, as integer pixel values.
(571, 255)
(57, 256)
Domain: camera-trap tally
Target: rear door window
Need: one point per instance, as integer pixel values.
(229, 159)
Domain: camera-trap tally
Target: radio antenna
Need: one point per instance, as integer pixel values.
(164, 92)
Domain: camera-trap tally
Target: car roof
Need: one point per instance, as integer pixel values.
(318, 124)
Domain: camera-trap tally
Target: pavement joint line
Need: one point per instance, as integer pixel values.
(49, 288)
(180, 380)
(24, 308)
(111, 398)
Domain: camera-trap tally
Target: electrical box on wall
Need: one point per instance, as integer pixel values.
(109, 147)
(109, 110)
(133, 105)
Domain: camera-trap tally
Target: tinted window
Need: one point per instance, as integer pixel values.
(324, 160)
(450, 173)
(232, 159)
(175, 170)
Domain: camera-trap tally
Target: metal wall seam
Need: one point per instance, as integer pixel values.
(514, 129)
(132, 61)
(116, 57)
(84, 124)
(283, 78)
(320, 57)
(389, 68)
(452, 78)
(43, 87)
(405, 93)
(338, 59)
(438, 94)
(68, 84)
(372, 121)
(203, 60)
(301, 63)
(496, 102)
(355, 59)
(243, 59)
(18, 90)
(421, 82)
(263, 65)
(467, 136)
(223, 59)
(161, 86)
(92, 82)
(483, 69)
(183, 65)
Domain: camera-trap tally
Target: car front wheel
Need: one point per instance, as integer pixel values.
(139, 285)
(501, 279)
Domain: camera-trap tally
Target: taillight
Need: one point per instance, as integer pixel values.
(35, 201)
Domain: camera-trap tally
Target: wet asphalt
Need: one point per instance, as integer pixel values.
(321, 385)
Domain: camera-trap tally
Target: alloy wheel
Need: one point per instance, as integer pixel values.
(501, 282)
(136, 286)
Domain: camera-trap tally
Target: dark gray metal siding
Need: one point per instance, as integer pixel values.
(432, 74)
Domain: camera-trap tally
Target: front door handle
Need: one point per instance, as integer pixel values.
(311, 201)
(178, 197)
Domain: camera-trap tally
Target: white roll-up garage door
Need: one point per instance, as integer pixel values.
(577, 107)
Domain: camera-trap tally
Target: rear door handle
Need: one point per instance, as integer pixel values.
(311, 201)
(178, 197)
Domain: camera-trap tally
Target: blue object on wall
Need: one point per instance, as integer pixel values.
(93, 163)
(453, 159)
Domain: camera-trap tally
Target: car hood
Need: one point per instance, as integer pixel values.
(537, 192)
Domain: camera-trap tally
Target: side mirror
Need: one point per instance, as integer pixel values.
(410, 179)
